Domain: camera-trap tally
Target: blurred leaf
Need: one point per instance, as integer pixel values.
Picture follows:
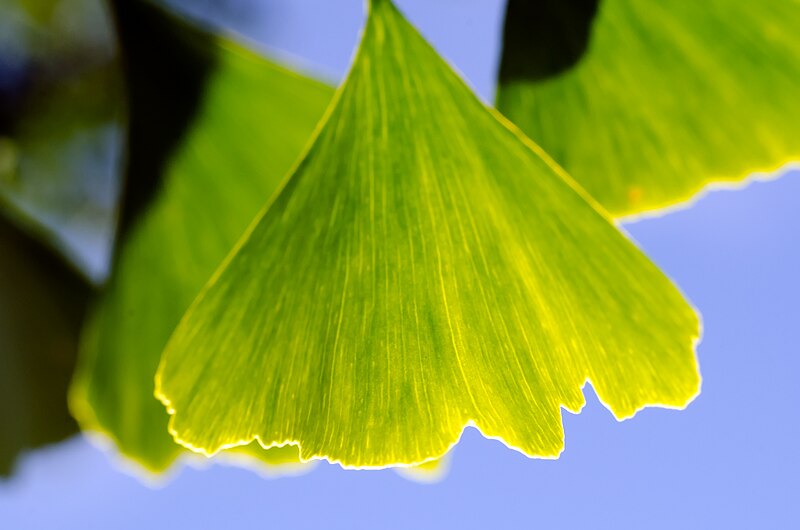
(429, 472)
(40, 10)
(543, 38)
(426, 267)
(669, 96)
(61, 128)
(167, 66)
(252, 122)
(41, 308)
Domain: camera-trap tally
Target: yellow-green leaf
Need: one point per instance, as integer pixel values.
(667, 98)
(426, 267)
(253, 123)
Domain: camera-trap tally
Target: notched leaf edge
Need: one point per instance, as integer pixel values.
(619, 415)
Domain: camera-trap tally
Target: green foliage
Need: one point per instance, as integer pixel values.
(61, 138)
(667, 98)
(41, 307)
(424, 268)
(253, 122)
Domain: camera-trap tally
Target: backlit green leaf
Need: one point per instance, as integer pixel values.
(667, 98)
(426, 267)
(253, 123)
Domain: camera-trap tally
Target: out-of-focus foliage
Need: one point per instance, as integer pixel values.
(424, 268)
(428, 472)
(42, 303)
(61, 126)
(644, 103)
(252, 120)
(61, 112)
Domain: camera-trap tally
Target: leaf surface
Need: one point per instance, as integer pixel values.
(660, 98)
(254, 120)
(426, 267)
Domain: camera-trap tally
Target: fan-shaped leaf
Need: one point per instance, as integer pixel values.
(426, 267)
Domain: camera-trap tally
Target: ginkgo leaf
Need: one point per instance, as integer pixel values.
(667, 98)
(426, 267)
(254, 120)
(42, 304)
